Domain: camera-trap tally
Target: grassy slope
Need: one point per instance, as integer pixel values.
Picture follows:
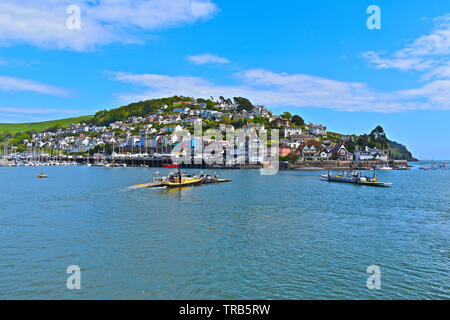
(39, 126)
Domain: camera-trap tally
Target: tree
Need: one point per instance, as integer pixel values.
(350, 146)
(363, 140)
(378, 136)
(287, 115)
(243, 104)
(99, 149)
(297, 120)
(210, 104)
(377, 132)
(226, 120)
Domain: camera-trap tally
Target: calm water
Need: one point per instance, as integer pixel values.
(289, 236)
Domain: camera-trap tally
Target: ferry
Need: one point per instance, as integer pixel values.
(180, 179)
(355, 178)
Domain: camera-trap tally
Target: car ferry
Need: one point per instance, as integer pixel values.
(180, 179)
(355, 178)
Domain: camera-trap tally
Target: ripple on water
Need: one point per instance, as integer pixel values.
(263, 237)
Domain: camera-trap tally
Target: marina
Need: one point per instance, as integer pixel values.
(433, 166)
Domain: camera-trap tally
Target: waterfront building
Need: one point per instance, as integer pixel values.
(309, 152)
(339, 152)
(369, 154)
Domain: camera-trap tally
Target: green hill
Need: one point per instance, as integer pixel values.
(14, 128)
(378, 139)
(398, 151)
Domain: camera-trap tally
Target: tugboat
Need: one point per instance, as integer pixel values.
(355, 178)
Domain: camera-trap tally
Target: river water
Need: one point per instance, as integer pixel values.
(288, 236)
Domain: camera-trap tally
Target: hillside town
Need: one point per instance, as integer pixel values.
(162, 131)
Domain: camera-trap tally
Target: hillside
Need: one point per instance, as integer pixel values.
(137, 109)
(398, 151)
(168, 108)
(378, 139)
(14, 128)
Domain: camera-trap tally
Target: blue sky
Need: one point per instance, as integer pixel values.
(313, 58)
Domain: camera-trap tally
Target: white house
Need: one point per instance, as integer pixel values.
(293, 130)
(309, 152)
(370, 154)
(323, 155)
(317, 129)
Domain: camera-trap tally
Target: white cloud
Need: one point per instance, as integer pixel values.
(43, 23)
(436, 92)
(19, 84)
(427, 53)
(282, 89)
(207, 58)
(400, 63)
(439, 72)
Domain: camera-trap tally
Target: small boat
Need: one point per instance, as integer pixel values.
(42, 176)
(355, 178)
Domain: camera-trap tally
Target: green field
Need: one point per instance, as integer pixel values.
(40, 126)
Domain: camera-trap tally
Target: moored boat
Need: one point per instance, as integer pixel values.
(384, 168)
